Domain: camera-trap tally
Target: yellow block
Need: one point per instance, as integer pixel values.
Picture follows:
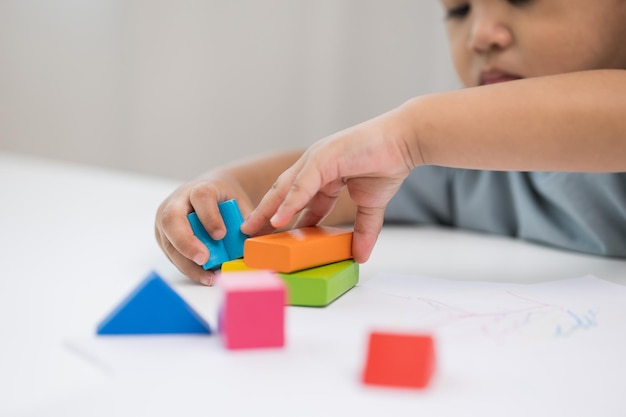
(236, 265)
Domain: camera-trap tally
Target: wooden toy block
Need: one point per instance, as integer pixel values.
(298, 249)
(217, 250)
(236, 265)
(252, 314)
(228, 248)
(399, 360)
(232, 219)
(314, 287)
(152, 308)
(320, 286)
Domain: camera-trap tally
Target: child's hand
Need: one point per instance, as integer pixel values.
(371, 159)
(173, 231)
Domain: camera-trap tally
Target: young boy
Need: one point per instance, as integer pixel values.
(534, 147)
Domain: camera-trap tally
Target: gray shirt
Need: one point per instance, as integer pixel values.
(577, 211)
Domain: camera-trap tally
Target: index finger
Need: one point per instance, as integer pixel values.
(260, 217)
(314, 175)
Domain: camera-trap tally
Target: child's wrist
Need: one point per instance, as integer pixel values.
(410, 118)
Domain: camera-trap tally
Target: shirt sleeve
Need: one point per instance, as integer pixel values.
(576, 211)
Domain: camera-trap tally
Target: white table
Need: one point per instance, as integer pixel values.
(75, 240)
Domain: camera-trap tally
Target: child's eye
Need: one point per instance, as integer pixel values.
(458, 12)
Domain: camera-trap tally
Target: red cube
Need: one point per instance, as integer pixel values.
(399, 360)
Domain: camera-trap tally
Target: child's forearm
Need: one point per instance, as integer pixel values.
(570, 122)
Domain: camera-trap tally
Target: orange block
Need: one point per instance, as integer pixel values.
(400, 360)
(298, 249)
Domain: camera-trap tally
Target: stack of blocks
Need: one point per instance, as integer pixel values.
(314, 262)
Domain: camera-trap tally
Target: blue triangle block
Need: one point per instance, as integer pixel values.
(153, 308)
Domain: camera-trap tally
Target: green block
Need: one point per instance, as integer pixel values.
(320, 286)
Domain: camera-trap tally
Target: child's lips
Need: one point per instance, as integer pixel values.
(497, 77)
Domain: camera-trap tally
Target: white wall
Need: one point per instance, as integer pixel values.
(173, 87)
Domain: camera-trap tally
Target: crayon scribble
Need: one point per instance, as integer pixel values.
(526, 317)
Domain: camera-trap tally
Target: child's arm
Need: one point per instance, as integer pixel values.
(245, 181)
(570, 122)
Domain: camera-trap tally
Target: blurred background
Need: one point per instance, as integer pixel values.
(172, 88)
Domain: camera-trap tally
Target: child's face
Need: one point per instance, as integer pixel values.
(501, 40)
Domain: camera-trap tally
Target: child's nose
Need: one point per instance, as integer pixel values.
(488, 33)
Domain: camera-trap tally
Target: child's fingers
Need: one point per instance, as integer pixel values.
(260, 217)
(245, 206)
(185, 265)
(204, 203)
(367, 227)
(319, 207)
(177, 232)
(298, 192)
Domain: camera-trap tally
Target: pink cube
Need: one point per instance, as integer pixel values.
(252, 314)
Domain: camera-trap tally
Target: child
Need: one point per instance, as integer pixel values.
(534, 148)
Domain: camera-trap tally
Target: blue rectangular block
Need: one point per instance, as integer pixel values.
(217, 250)
(228, 248)
(233, 219)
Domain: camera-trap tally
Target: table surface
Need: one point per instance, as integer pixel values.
(76, 239)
